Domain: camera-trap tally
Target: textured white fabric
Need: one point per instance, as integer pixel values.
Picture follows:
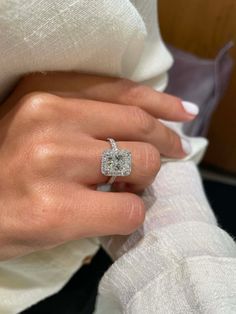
(112, 37)
(179, 261)
(26, 280)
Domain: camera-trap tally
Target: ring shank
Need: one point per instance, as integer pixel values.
(113, 143)
(111, 180)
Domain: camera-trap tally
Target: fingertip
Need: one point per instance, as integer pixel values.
(186, 146)
(178, 146)
(117, 213)
(135, 215)
(175, 109)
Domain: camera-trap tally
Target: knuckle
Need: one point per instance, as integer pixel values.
(150, 160)
(36, 103)
(136, 92)
(135, 214)
(44, 156)
(145, 124)
(127, 87)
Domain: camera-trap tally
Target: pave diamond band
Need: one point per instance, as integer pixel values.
(115, 162)
(113, 143)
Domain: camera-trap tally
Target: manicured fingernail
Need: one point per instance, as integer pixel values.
(190, 108)
(186, 146)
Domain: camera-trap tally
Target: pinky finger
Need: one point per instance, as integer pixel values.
(106, 213)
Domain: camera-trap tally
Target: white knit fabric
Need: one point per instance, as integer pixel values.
(179, 261)
(170, 269)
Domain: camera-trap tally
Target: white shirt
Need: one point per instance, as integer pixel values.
(183, 262)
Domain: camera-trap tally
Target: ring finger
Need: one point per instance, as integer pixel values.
(82, 162)
(145, 164)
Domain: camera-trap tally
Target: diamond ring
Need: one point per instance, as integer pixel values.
(115, 162)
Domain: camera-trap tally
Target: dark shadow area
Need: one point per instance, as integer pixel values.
(222, 198)
(79, 294)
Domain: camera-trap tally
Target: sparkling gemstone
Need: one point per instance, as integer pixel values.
(116, 162)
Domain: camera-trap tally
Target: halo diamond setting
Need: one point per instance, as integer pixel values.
(116, 162)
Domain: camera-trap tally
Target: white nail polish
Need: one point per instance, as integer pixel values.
(187, 148)
(190, 108)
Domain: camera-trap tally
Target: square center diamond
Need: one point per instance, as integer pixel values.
(116, 162)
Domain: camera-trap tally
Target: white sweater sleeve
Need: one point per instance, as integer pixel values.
(180, 261)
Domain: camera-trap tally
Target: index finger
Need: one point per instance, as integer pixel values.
(114, 90)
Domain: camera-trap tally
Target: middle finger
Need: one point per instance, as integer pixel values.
(128, 123)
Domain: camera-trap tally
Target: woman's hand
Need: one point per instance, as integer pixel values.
(51, 143)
